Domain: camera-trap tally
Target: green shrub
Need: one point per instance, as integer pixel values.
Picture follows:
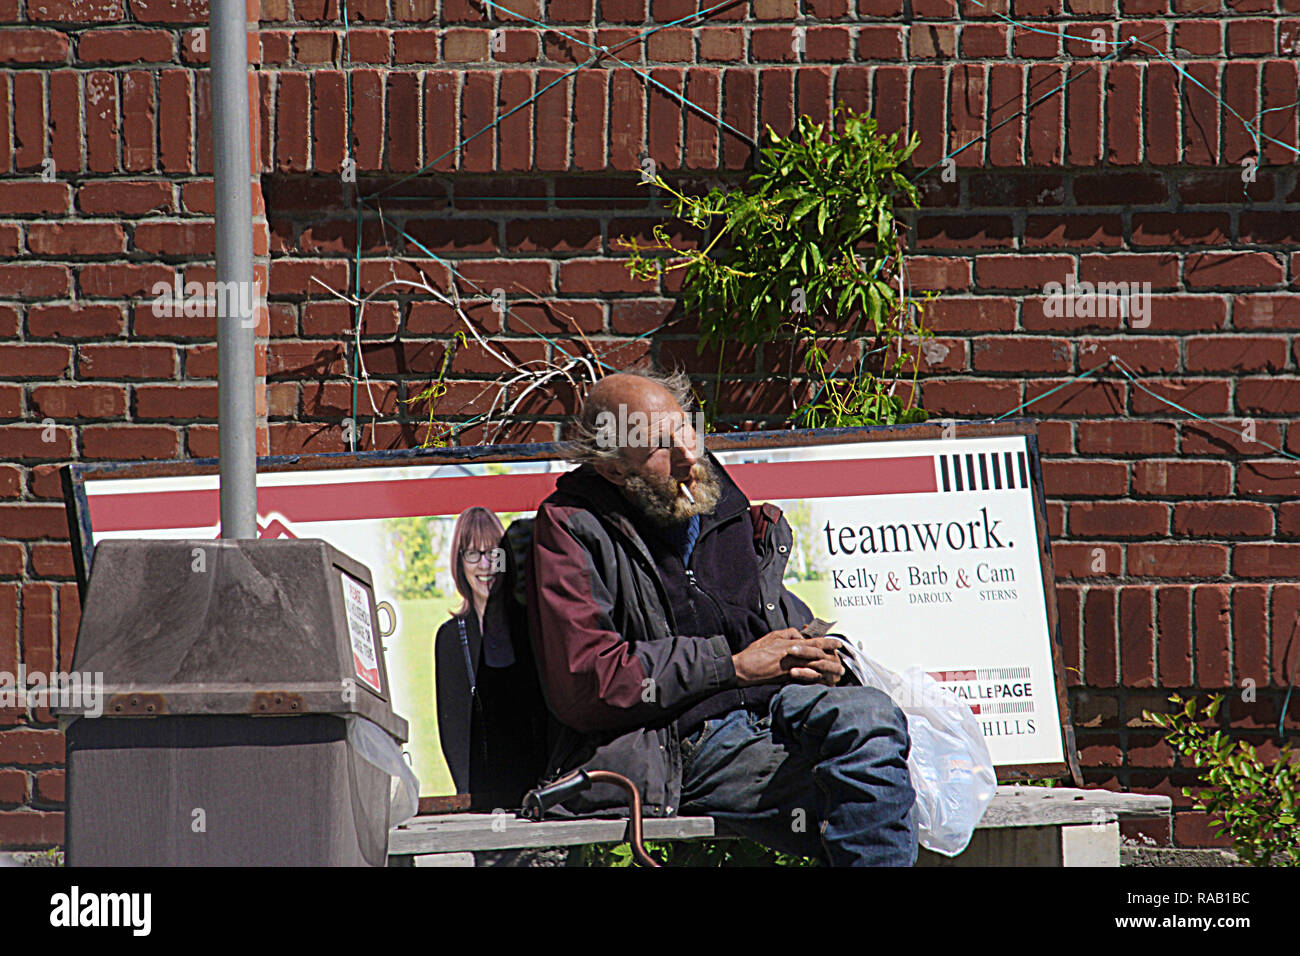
(1253, 801)
(808, 250)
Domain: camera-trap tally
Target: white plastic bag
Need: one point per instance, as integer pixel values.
(371, 743)
(950, 765)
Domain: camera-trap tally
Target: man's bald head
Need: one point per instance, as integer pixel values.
(629, 391)
(639, 394)
(635, 430)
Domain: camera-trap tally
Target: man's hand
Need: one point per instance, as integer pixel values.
(788, 655)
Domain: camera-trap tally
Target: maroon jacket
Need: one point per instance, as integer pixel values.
(615, 671)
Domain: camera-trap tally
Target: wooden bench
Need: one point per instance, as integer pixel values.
(1024, 826)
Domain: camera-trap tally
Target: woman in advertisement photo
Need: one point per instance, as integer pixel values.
(476, 564)
(491, 716)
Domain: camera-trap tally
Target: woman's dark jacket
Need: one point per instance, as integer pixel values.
(455, 708)
(490, 744)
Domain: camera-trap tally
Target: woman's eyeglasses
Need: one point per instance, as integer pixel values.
(474, 556)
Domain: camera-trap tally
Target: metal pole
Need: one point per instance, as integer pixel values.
(236, 332)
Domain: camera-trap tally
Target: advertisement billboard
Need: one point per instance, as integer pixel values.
(925, 544)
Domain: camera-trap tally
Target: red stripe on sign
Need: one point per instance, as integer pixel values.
(778, 480)
(405, 498)
(149, 511)
(359, 501)
(946, 677)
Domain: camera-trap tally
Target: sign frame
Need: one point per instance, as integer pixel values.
(74, 477)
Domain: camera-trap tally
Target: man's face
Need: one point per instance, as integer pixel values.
(661, 469)
(671, 449)
(662, 499)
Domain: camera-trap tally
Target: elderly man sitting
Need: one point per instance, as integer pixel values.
(669, 651)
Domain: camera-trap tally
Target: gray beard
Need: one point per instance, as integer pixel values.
(659, 500)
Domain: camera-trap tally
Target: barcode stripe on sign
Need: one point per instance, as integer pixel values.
(1002, 673)
(1008, 707)
(982, 471)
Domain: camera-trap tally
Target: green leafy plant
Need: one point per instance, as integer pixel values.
(808, 250)
(695, 853)
(1253, 801)
(847, 403)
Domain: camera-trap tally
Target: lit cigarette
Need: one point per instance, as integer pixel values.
(687, 492)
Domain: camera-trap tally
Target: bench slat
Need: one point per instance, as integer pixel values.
(1012, 807)
(1063, 806)
(474, 831)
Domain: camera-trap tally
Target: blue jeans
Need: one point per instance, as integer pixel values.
(823, 774)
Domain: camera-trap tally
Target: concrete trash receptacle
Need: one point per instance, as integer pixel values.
(246, 713)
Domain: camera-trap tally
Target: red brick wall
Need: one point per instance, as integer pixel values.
(1177, 543)
(105, 189)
